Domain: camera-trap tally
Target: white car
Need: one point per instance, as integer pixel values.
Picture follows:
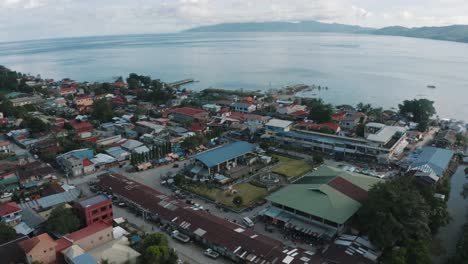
(211, 253)
(6, 195)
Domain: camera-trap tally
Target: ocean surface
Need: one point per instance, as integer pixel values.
(381, 70)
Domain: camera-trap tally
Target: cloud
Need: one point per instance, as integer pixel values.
(27, 19)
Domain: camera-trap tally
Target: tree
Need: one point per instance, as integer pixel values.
(460, 138)
(319, 111)
(156, 239)
(414, 251)
(156, 250)
(394, 213)
(318, 159)
(419, 111)
(238, 200)
(35, 124)
(62, 221)
(102, 111)
(6, 232)
(364, 108)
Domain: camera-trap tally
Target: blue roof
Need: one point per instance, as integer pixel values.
(433, 160)
(85, 258)
(222, 154)
(83, 153)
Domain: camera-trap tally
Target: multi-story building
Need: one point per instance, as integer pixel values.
(94, 209)
(39, 249)
(10, 213)
(188, 114)
(27, 100)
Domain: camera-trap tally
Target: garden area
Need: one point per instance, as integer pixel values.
(291, 168)
(240, 196)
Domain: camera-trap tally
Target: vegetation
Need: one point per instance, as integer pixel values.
(238, 200)
(102, 111)
(320, 112)
(419, 111)
(249, 193)
(62, 221)
(156, 250)
(200, 139)
(157, 152)
(34, 124)
(6, 232)
(291, 168)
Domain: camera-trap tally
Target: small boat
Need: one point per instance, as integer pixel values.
(431, 86)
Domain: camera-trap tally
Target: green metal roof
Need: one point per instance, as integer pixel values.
(312, 195)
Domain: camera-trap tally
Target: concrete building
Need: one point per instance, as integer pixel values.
(10, 213)
(94, 209)
(27, 100)
(5, 146)
(242, 107)
(39, 249)
(72, 162)
(188, 114)
(277, 126)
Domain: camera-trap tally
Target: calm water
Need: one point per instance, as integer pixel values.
(458, 209)
(375, 69)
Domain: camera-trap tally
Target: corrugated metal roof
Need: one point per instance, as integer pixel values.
(222, 154)
(432, 162)
(94, 200)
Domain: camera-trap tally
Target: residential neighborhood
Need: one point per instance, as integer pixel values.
(106, 172)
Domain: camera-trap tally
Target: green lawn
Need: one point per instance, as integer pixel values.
(290, 168)
(249, 193)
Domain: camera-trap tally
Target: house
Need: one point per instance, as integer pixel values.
(446, 139)
(72, 162)
(39, 249)
(116, 252)
(188, 114)
(288, 109)
(222, 158)
(84, 102)
(145, 127)
(326, 199)
(211, 108)
(118, 153)
(5, 146)
(131, 145)
(9, 180)
(330, 128)
(352, 119)
(244, 107)
(382, 135)
(87, 238)
(94, 209)
(34, 173)
(431, 164)
(67, 90)
(10, 213)
(81, 129)
(27, 100)
(277, 126)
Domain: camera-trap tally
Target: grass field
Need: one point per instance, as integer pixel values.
(291, 168)
(249, 193)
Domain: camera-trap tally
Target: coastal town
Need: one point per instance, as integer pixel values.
(138, 170)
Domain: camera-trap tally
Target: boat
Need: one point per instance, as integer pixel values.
(431, 86)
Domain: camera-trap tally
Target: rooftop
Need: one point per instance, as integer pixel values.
(432, 162)
(328, 193)
(93, 200)
(385, 134)
(279, 123)
(188, 111)
(9, 208)
(219, 155)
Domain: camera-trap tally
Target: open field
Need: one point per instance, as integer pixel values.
(249, 193)
(291, 168)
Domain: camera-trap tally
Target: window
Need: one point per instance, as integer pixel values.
(100, 238)
(94, 212)
(103, 209)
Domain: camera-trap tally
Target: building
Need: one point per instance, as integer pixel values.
(188, 114)
(94, 209)
(446, 139)
(352, 119)
(5, 146)
(81, 129)
(341, 146)
(325, 199)
(87, 238)
(11, 252)
(118, 153)
(84, 102)
(277, 126)
(145, 127)
(222, 158)
(39, 249)
(431, 164)
(289, 109)
(116, 252)
(65, 90)
(72, 162)
(27, 100)
(231, 240)
(33, 174)
(211, 108)
(330, 128)
(382, 135)
(242, 107)
(10, 213)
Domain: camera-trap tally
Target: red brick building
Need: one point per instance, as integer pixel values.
(95, 209)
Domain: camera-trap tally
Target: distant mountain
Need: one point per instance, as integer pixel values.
(303, 26)
(457, 33)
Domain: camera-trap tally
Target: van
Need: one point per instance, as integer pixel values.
(248, 222)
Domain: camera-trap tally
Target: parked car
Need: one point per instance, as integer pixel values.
(6, 195)
(180, 237)
(211, 253)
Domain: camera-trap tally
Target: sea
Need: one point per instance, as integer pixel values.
(380, 70)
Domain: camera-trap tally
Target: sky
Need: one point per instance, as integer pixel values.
(42, 19)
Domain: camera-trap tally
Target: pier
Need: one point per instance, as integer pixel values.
(182, 82)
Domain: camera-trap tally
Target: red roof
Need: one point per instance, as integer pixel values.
(300, 113)
(189, 111)
(120, 84)
(349, 189)
(332, 126)
(81, 126)
(67, 89)
(339, 116)
(5, 143)
(9, 208)
(87, 162)
(197, 127)
(88, 231)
